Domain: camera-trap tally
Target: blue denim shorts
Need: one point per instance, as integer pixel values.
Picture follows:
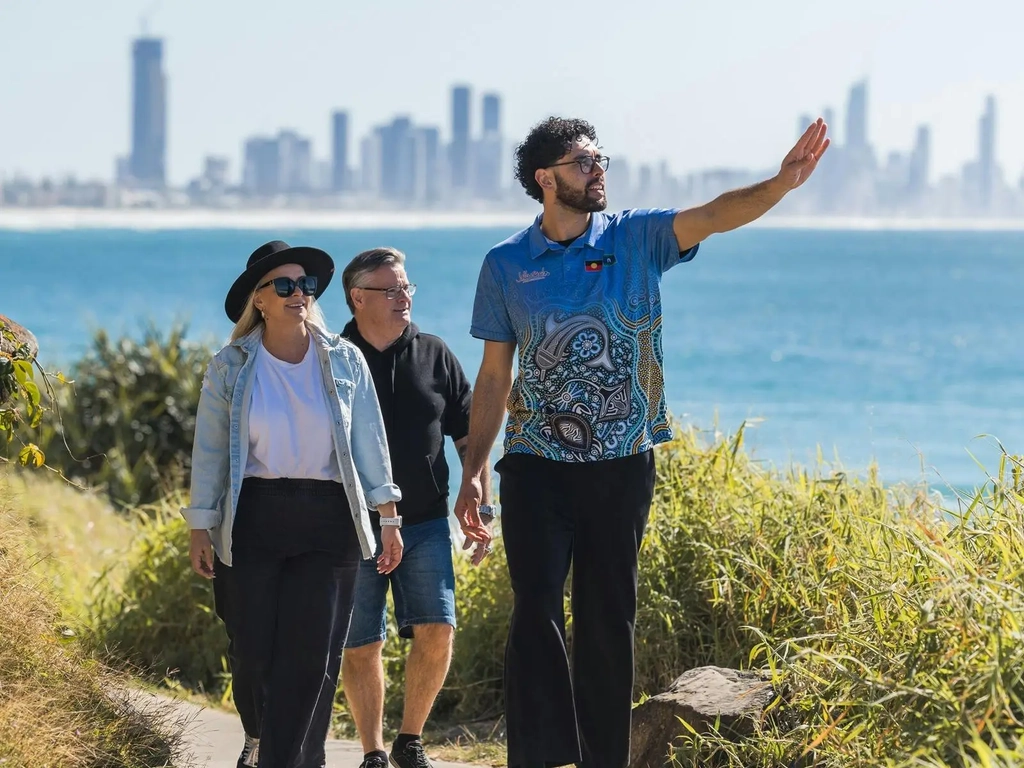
(422, 586)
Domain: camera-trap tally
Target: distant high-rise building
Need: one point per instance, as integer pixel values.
(147, 162)
(261, 170)
(487, 158)
(987, 154)
(370, 151)
(215, 171)
(920, 162)
(426, 169)
(829, 116)
(857, 117)
(396, 159)
(296, 163)
(804, 122)
(460, 147)
(492, 113)
(278, 165)
(339, 152)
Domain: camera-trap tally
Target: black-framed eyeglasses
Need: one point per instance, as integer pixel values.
(392, 293)
(285, 286)
(587, 163)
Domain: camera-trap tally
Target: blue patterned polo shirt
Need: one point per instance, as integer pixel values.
(587, 322)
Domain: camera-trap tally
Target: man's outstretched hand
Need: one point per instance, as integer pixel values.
(801, 161)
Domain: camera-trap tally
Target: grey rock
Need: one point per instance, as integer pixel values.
(21, 336)
(728, 699)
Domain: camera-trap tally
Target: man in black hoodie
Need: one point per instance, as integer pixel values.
(424, 395)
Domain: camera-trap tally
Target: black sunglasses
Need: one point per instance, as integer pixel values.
(285, 286)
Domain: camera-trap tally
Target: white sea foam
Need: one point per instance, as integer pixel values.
(36, 219)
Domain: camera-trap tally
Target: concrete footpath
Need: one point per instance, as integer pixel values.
(213, 739)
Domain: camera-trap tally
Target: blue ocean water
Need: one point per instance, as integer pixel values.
(894, 347)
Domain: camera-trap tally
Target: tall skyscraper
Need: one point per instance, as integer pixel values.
(857, 117)
(396, 159)
(339, 152)
(492, 113)
(802, 123)
(147, 162)
(261, 170)
(426, 164)
(920, 161)
(279, 165)
(829, 116)
(987, 154)
(487, 158)
(460, 146)
(296, 162)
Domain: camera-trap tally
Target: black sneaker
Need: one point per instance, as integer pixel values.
(374, 761)
(411, 756)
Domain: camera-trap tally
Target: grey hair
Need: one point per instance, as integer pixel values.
(365, 263)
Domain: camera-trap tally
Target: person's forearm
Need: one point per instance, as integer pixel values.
(485, 476)
(738, 207)
(485, 419)
(485, 484)
(387, 509)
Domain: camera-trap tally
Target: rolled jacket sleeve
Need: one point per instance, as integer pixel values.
(209, 453)
(369, 440)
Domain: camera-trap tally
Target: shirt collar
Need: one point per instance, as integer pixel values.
(597, 236)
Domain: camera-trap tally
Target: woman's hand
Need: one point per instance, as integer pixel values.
(391, 546)
(200, 552)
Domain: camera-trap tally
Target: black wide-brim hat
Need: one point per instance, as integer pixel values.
(271, 256)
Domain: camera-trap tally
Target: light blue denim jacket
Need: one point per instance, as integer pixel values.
(221, 446)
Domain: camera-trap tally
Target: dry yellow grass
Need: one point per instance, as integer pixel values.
(58, 707)
(76, 536)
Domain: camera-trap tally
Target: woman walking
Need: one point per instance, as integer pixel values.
(289, 453)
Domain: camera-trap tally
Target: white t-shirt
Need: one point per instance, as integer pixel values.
(289, 421)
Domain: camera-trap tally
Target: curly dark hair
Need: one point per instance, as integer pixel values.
(544, 144)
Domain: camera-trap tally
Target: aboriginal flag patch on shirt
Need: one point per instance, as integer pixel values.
(596, 265)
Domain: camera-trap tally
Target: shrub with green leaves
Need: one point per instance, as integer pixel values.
(894, 624)
(129, 420)
(159, 617)
(21, 401)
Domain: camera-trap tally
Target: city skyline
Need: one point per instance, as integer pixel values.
(407, 164)
(683, 84)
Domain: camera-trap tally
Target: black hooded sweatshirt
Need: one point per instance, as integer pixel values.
(424, 395)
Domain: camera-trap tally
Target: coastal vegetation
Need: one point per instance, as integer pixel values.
(888, 617)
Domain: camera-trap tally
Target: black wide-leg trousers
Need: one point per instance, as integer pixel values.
(589, 517)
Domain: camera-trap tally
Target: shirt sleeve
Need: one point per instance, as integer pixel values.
(660, 239)
(369, 440)
(456, 411)
(491, 321)
(210, 449)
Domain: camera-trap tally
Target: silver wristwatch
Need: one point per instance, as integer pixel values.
(395, 520)
(490, 511)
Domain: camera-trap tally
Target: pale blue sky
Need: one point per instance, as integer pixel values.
(700, 84)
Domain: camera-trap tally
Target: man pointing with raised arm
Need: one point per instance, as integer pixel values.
(579, 294)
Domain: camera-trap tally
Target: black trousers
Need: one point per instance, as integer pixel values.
(590, 516)
(286, 602)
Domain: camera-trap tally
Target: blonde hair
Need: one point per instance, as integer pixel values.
(252, 317)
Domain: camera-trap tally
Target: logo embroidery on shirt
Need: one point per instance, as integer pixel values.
(529, 277)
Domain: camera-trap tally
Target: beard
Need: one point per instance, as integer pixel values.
(577, 199)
